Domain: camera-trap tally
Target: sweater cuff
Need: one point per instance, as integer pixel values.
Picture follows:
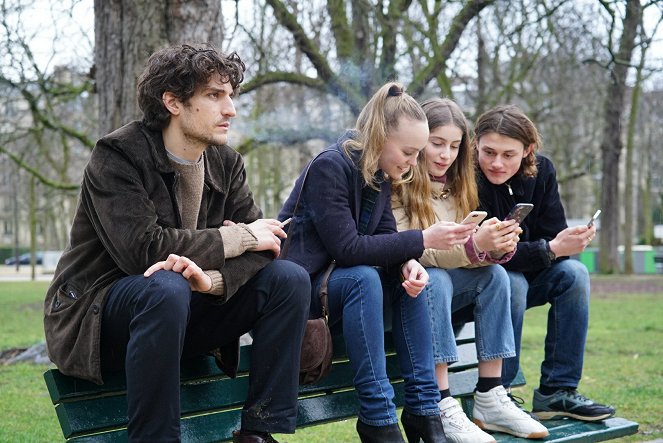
(493, 258)
(218, 285)
(472, 252)
(237, 239)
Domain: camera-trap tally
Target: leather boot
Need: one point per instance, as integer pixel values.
(250, 437)
(427, 428)
(379, 434)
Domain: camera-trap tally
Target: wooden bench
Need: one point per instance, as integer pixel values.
(211, 402)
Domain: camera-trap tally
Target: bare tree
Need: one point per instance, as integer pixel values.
(127, 32)
(611, 143)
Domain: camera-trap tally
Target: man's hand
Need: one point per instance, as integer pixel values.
(268, 231)
(198, 280)
(572, 240)
(415, 277)
(445, 235)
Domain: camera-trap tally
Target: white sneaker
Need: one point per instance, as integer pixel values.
(457, 427)
(494, 411)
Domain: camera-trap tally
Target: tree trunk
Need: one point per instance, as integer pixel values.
(611, 144)
(127, 32)
(629, 185)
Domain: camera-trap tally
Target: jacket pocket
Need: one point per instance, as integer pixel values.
(65, 297)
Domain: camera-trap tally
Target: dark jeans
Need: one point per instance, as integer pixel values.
(149, 324)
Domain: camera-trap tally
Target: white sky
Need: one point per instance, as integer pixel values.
(65, 36)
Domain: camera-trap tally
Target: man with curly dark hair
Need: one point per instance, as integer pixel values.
(169, 257)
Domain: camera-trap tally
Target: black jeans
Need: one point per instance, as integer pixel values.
(149, 324)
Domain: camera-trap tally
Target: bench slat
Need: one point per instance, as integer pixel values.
(569, 430)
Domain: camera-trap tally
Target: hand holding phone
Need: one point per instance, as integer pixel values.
(593, 219)
(474, 217)
(519, 212)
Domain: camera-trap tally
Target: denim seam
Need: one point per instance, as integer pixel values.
(358, 282)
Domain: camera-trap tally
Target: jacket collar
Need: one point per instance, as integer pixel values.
(164, 166)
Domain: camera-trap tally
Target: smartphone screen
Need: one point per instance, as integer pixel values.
(519, 212)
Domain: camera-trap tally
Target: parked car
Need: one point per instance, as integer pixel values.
(24, 259)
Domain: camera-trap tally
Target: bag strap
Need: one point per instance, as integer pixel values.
(286, 246)
(284, 251)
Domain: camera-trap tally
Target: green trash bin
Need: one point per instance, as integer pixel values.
(588, 257)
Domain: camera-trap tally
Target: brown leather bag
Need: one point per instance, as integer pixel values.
(317, 348)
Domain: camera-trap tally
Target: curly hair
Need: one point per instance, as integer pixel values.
(378, 117)
(510, 121)
(181, 70)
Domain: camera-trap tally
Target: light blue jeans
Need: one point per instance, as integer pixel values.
(487, 289)
(565, 285)
(357, 296)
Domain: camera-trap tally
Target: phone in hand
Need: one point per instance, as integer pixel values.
(474, 217)
(519, 212)
(593, 219)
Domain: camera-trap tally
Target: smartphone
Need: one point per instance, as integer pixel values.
(519, 212)
(474, 217)
(593, 219)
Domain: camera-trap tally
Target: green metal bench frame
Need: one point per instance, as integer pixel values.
(211, 402)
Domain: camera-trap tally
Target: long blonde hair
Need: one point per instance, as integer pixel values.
(378, 117)
(461, 177)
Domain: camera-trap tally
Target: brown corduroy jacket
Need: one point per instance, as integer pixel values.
(127, 219)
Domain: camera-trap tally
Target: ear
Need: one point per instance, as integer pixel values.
(172, 104)
(528, 150)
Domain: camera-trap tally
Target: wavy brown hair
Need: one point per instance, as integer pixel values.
(378, 117)
(461, 180)
(510, 121)
(181, 70)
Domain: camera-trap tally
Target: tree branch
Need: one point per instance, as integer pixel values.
(35, 173)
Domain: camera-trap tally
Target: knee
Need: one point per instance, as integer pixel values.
(291, 277)
(518, 288)
(576, 271)
(574, 281)
(498, 281)
(167, 293)
(439, 288)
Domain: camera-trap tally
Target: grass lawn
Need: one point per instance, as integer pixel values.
(623, 361)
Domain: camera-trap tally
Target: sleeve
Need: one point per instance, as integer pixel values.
(237, 239)
(121, 208)
(550, 219)
(456, 257)
(328, 194)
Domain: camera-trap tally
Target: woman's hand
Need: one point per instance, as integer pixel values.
(415, 277)
(198, 280)
(497, 236)
(445, 235)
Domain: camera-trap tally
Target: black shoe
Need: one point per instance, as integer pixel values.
(427, 428)
(379, 434)
(252, 437)
(569, 403)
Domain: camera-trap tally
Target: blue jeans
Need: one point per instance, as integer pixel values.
(565, 285)
(487, 290)
(356, 297)
(150, 324)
